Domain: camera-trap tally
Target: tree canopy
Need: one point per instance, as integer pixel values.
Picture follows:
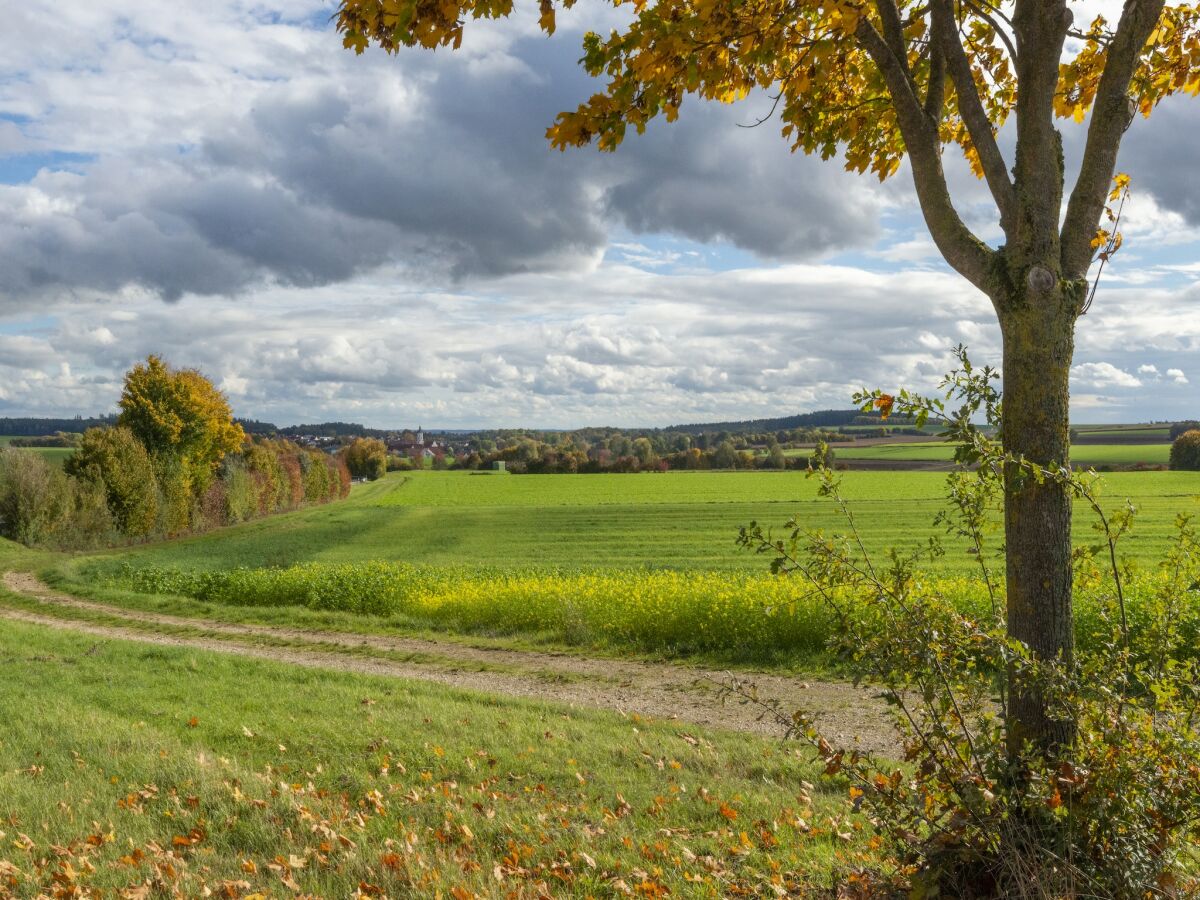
(179, 413)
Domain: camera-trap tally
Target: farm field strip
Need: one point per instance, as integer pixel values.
(52, 454)
(1081, 454)
(674, 521)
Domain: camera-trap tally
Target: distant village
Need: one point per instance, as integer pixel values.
(411, 444)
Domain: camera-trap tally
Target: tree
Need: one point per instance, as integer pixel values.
(776, 458)
(877, 80)
(725, 456)
(1185, 452)
(366, 458)
(180, 414)
(644, 451)
(822, 456)
(115, 459)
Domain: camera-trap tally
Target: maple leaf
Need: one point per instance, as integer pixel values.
(884, 404)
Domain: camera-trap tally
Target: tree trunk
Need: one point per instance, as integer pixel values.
(1038, 331)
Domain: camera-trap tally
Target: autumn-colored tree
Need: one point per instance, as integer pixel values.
(116, 459)
(366, 458)
(874, 81)
(180, 414)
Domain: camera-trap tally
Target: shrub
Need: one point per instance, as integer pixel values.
(174, 495)
(293, 477)
(822, 456)
(241, 503)
(366, 458)
(40, 505)
(340, 476)
(318, 478)
(1113, 810)
(213, 509)
(35, 498)
(117, 461)
(1185, 451)
(270, 481)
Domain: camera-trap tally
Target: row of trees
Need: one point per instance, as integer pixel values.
(368, 458)
(175, 461)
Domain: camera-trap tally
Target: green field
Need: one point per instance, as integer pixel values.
(685, 520)
(53, 454)
(1081, 454)
(129, 759)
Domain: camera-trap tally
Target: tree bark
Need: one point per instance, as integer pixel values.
(1038, 331)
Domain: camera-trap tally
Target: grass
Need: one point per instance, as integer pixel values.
(52, 454)
(124, 766)
(1081, 454)
(685, 521)
(456, 554)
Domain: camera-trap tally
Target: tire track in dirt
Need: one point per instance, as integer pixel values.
(657, 690)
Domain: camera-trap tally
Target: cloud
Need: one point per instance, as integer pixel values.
(254, 150)
(392, 238)
(1102, 375)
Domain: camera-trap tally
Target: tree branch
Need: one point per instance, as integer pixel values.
(970, 106)
(985, 10)
(1040, 28)
(968, 255)
(893, 32)
(1110, 118)
(935, 92)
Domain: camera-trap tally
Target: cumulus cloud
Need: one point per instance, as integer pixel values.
(1102, 375)
(310, 166)
(392, 239)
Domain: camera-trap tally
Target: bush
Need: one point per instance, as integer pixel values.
(241, 504)
(174, 495)
(822, 457)
(1185, 452)
(318, 478)
(40, 505)
(340, 476)
(366, 458)
(270, 481)
(1111, 809)
(114, 459)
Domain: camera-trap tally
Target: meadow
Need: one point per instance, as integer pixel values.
(175, 772)
(53, 454)
(677, 520)
(199, 771)
(654, 568)
(1097, 455)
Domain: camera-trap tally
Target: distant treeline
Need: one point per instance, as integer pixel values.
(332, 430)
(37, 427)
(43, 427)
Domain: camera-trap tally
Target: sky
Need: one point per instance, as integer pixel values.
(391, 240)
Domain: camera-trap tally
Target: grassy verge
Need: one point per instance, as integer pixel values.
(124, 766)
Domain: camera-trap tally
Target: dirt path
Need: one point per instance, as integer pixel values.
(658, 690)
